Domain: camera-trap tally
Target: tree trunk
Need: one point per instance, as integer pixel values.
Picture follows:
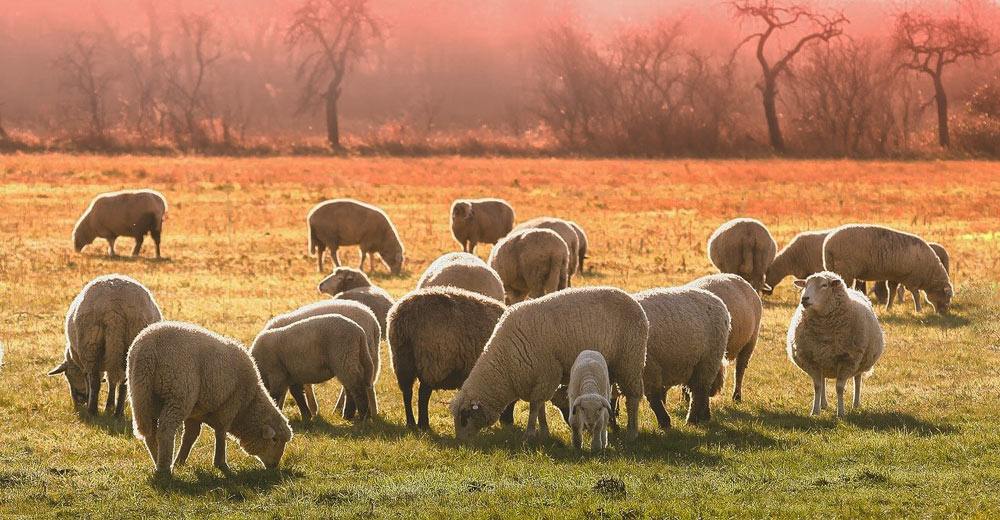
(770, 95)
(942, 109)
(332, 122)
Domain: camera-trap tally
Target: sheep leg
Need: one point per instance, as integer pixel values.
(122, 391)
(151, 445)
(901, 295)
(916, 299)
(857, 391)
(822, 397)
(341, 402)
(632, 408)
(423, 400)
(742, 361)
(529, 431)
(220, 452)
(311, 399)
(507, 416)
(841, 382)
(335, 255)
(109, 405)
(192, 429)
(371, 262)
(166, 429)
(543, 422)
(818, 391)
(597, 437)
(656, 399)
(698, 411)
(155, 235)
(350, 407)
(298, 393)
(472, 246)
(319, 257)
(93, 391)
(891, 288)
(578, 437)
(111, 246)
(138, 245)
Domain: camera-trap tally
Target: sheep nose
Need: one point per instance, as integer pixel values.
(805, 301)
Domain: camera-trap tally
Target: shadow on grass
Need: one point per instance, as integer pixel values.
(777, 304)
(128, 259)
(237, 486)
(338, 427)
(117, 426)
(864, 419)
(927, 318)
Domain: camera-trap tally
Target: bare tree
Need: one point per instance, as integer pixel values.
(776, 19)
(86, 75)
(930, 42)
(187, 90)
(333, 35)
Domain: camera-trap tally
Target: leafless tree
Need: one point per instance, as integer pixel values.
(87, 75)
(197, 51)
(332, 35)
(776, 19)
(928, 42)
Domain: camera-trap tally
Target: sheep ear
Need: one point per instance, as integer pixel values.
(801, 284)
(58, 370)
(768, 288)
(268, 432)
(835, 282)
(606, 404)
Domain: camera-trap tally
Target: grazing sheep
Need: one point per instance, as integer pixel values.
(182, 373)
(873, 253)
(589, 395)
(834, 334)
(688, 331)
(882, 290)
(465, 271)
(480, 220)
(352, 310)
(130, 213)
(314, 350)
(533, 349)
(582, 238)
(745, 310)
(745, 247)
(566, 232)
(801, 257)
(435, 336)
(101, 323)
(531, 263)
(346, 222)
(346, 283)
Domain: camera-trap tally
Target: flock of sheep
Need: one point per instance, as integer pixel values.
(467, 326)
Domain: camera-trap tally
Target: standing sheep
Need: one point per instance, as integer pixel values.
(101, 323)
(464, 271)
(566, 232)
(688, 331)
(346, 222)
(745, 311)
(745, 247)
(834, 334)
(531, 263)
(535, 345)
(314, 350)
(435, 336)
(882, 290)
(801, 257)
(589, 397)
(873, 253)
(346, 283)
(182, 373)
(583, 244)
(122, 213)
(480, 220)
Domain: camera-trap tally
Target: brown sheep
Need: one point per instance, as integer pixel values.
(346, 222)
(745, 247)
(480, 220)
(130, 213)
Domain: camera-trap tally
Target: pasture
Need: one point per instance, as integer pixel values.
(923, 445)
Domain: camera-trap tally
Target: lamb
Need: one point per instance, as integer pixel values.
(566, 232)
(531, 263)
(435, 336)
(834, 334)
(314, 350)
(352, 310)
(131, 213)
(582, 238)
(480, 220)
(182, 373)
(882, 290)
(745, 247)
(465, 271)
(801, 257)
(101, 323)
(346, 283)
(688, 332)
(589, 394)
(533, 349)
(871, 252)
(745, 311)
(345, 222)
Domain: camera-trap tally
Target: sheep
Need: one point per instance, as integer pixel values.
(745, 247)
(352, 310)
(589, 394)
(745, 311)
(435, 336)
(688, 332)
(480, 220)
(182, 373)
(566, 232)
(834, 334)
(314, 350)
(871, 252)
(801, 257)
(531, 263)
(533, 349)
(346, 283)
(101, 323)
(345, 222)
(131, 213)
(465, 271)
(882, 290)
(582, 238)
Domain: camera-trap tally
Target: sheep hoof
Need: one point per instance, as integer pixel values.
(224, 468)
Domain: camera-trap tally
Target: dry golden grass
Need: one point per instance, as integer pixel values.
(235, 242)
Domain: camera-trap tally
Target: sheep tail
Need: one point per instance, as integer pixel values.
(313, 239)
(368, 369)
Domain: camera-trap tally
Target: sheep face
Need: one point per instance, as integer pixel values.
(395, 262)
(590, 411)
(771, 279)
(461, 211)
(940, 297)
(81, 239)
(270, 445)
(76, 379)
(819, 290)
(470, 416)
(344, 279)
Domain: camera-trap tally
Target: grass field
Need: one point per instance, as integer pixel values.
(925, 443)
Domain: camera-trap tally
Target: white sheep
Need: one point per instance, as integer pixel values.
(131, 213)
(589, 392)
(101, 323)
(565, 231)
(480, 220)
(345, 222)
(464, 271)
(834, 334)
(745, 247)
(531, 263)
(346, 283)
(583, 243)
(181, 373)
